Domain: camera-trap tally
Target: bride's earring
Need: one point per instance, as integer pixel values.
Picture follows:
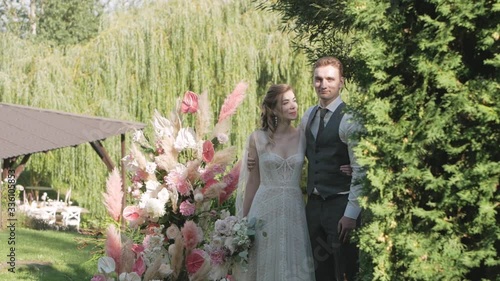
(275, 121)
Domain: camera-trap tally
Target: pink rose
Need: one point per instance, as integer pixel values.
(189, 102)
(195, 261)
(208, 151)
(187, 208)
(184, 188)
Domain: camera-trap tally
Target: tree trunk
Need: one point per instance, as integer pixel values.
(33, 17)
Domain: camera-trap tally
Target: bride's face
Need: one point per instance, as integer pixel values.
(288, 106)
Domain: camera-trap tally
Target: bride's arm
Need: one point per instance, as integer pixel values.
(253, 181)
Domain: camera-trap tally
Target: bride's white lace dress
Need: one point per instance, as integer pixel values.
(282, 249)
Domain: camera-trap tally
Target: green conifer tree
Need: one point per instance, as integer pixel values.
(424, 80)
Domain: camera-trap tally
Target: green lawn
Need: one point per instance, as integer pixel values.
(45, 255)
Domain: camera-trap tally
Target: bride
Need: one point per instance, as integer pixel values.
(270, 192)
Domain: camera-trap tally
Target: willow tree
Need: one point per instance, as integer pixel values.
(425, 83)
(142, 60)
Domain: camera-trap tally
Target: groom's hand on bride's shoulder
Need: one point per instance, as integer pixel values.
(250, 163)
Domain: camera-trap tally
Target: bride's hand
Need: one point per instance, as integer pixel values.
(346, 169)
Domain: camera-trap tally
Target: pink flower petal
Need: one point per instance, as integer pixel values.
(195, 261)
(208, 151)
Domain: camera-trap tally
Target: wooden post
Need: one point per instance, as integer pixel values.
(103, 154)
(124, 181)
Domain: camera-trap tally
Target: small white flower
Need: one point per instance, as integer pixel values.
(222, 138)
(163, 195)
(198, 197)
(151, 185)
(155, 208)
(151, 168)
(144, 199)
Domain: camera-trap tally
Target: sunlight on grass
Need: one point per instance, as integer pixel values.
(48, 256)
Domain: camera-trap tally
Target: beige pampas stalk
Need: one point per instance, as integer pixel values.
(174, 117)
(114, 195)
(168, 159)
(204, 116)
(174, 196)
(128, 256)
(152, 273)
(224, 157)
(222, 128)
(138, 156)
(177, 257)
(192, 170)
(214, 190)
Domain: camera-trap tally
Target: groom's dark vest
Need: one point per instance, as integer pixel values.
(325, 156)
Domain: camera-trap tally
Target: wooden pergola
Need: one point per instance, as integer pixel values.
(27, 130)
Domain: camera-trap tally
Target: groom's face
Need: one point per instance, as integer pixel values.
(327, 83)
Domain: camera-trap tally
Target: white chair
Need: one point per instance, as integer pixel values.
(48, 214)
(71, 216)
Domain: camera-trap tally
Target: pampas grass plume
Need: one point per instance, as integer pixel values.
(114, 246)
(204, 115)
(114, 195)
(232, 101)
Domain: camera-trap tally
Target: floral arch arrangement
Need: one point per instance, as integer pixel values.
(181, 182)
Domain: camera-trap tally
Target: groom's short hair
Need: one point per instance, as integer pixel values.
(333, 61)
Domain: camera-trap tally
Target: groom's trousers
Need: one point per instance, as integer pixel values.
(334, 261)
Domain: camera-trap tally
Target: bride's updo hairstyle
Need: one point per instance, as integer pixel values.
(270, 104)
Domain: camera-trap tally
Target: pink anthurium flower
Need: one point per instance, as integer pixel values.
(195, 261)
(139, 266)
(208, 151)
(189, 103)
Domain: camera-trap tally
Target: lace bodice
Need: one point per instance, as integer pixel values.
(277, 171)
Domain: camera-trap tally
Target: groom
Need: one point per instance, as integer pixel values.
(332, 210)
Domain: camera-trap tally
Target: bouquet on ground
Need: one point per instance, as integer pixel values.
(181, 182)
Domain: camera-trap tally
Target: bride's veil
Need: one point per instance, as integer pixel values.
(242, 181)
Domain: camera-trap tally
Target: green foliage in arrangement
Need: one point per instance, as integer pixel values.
(426, 86)
(143, 60)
